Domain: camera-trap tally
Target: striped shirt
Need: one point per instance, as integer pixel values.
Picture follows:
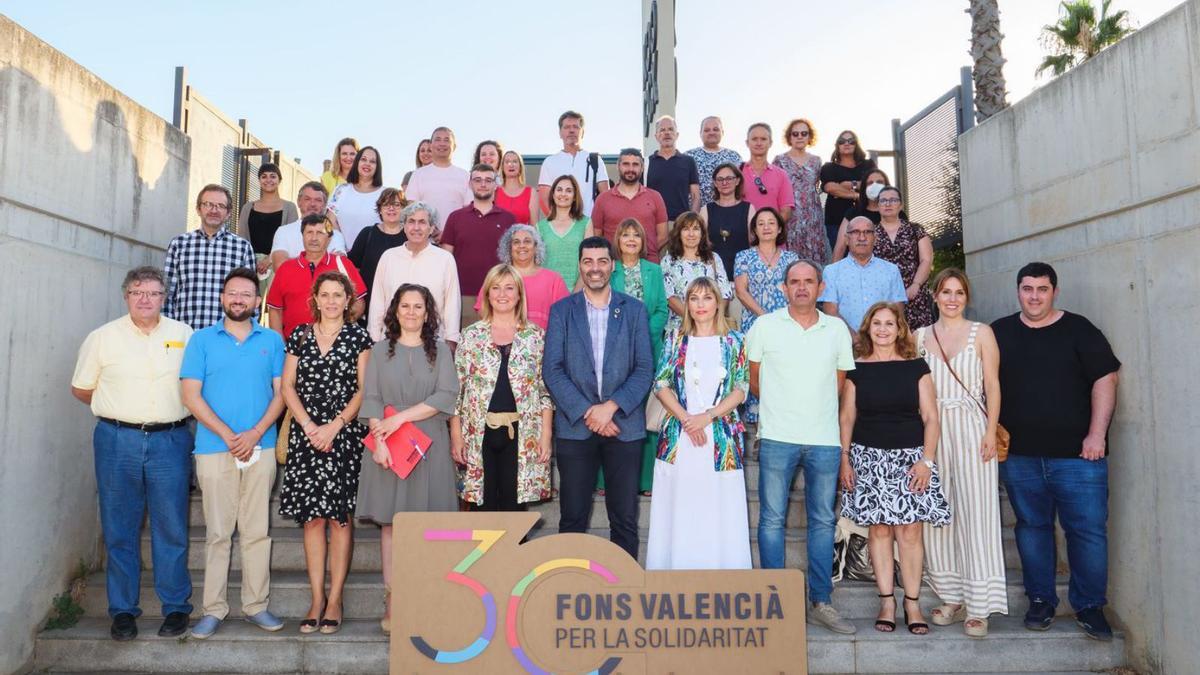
(195, 266)
(598, 327)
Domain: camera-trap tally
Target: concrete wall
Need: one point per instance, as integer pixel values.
(1098, 173)
(91, 184)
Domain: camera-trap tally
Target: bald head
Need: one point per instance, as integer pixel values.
(711, 132)
(860, 238)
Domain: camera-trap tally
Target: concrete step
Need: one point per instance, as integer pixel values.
(360, 647)
(549, 511)
(364, 596)
(287, 550)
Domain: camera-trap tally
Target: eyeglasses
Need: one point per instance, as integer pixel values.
(800, 134)
(762, 189)
(142, 295)
(239, 296)
(209, 206)
(859, 233)
(393, 205)
(724, 179)
(847, 141)
(889, 201)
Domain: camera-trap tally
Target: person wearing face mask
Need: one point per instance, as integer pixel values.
(417, 261)
(867, 205)
(910, 248)
(354, 201)
(500, 435)
(842, 180)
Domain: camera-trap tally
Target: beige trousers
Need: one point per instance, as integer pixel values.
(238, 499)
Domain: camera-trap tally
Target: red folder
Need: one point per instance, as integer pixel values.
(407, 445)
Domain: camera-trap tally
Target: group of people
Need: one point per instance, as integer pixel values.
(627, 333)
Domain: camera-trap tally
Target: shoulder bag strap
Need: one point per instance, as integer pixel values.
(954, 374)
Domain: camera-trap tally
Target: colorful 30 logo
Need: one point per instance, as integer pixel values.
(486, 539)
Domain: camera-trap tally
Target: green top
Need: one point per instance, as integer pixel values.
(798, 386)
(562, 252)
(645, 285)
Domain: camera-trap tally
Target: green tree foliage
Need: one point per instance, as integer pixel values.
(1080, 34)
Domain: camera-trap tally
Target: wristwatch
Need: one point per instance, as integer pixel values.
(928, 463)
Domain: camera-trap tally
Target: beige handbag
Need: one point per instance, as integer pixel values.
(656, 414)
(281, 441)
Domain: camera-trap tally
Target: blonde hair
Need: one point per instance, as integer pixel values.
(520, 165)
(906, 348)
(721, 323)
(335, 167)
(494, 275)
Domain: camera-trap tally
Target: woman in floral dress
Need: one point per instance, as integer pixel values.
(323, 388)
(689, 255)
(910, 248)
(806, 236)
(758, 275)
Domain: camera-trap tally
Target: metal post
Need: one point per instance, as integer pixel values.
(898, 149)
(178, 114)
(966, 100)
(659, 71)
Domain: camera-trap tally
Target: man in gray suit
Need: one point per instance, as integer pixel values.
(598, 367)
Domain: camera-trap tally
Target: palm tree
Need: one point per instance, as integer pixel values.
(1079, 35)
(988, 72)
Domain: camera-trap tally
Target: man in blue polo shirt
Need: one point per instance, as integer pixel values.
(861, 279)
(231, 383)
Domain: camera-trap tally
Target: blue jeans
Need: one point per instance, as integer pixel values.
(777, 467)
(1077, 490)
(136, 472)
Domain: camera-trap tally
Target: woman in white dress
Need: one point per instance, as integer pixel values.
(353, 202)
(698, 516)
(965, 561)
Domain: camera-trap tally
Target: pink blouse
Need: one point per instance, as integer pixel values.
(542, 289)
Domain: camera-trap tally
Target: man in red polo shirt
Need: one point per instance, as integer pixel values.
(631, 199)
(473, 232)
(287, 301)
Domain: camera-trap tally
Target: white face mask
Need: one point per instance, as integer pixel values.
(873, 190)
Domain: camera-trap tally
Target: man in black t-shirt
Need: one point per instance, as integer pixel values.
(1058, 376)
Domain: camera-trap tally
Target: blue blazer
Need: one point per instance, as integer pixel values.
(569, 369)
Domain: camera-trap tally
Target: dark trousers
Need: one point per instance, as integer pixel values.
(499, 471)
(579, 463)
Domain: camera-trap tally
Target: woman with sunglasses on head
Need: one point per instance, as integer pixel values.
(765, 185)
(867, 205)
(907, 246)
(806, 228)
(841, 180)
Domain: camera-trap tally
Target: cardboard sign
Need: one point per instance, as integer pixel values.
(468, 597)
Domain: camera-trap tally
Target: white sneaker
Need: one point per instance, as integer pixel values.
(823, 614)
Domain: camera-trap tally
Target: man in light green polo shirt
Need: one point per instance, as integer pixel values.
(798, 361)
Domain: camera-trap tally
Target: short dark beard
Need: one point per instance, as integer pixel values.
(245, 316)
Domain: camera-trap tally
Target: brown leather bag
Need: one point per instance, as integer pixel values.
(1003, 438)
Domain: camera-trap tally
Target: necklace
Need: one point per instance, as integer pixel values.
(774, 259)
(324, 334)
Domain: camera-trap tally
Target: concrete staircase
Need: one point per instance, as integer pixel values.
(360, 647)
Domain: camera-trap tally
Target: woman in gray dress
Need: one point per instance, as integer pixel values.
(412, 371)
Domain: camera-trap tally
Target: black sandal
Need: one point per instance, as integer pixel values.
(331, 626)
(918, 628)
(883, 625)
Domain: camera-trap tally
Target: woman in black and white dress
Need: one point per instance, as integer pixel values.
(323, 388)
(889, 429)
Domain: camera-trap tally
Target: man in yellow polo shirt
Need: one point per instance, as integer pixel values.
(128, 372)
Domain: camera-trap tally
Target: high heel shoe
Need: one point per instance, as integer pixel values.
(883, 625)
(917, 628)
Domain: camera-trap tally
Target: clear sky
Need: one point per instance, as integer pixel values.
(307, 73)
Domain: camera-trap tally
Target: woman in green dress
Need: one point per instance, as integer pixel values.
(564, 229)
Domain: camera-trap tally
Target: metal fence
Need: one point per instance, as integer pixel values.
(926, 147)
(225, 152)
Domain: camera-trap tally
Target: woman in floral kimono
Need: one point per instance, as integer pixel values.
(500, 435)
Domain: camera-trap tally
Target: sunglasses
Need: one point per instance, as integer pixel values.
(800, 134)
(847, 141)
(762, 189)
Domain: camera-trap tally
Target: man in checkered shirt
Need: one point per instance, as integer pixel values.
(198, 261)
